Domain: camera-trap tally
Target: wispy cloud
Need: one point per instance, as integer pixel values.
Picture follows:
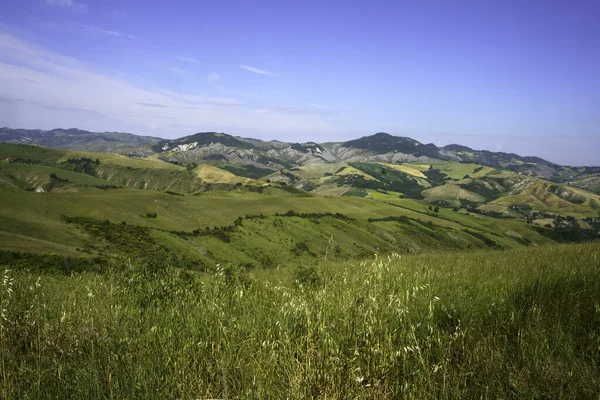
(89, 29)
(73, 92)
(195, 100)
(73, 5)
(308, 109)
(214, 77)
(141, 79)
(256, 70)
(31, 81)
(154, 105)
(177, 71)
(103, 31)
(190, 60)
(51, 107)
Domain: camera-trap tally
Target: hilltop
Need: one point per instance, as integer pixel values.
(76, 139)
(210, 147)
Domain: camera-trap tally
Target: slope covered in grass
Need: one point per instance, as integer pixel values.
(212, 174)
(32, 176)
(450, 195)
(243, 227)
(516, 324)
(458, 170)
(47, 155)
(557, 199)
(29, 163)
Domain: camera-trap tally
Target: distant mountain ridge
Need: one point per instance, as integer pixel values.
(206, 147)
(76, 139)
(380, 147)
(382, 143)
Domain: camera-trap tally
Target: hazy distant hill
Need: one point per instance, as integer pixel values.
(77, 139)
(380, 147)
(253, 158)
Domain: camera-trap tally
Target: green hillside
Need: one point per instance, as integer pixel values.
(39, 154)
(445, 184)
(29, 167)
(242, 227)
(451, 195)
(21, 176)
(513, 324)
(456, 170)
(101, 205)
(554, 198)
(589, 182)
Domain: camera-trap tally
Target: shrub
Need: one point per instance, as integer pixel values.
(307, 277)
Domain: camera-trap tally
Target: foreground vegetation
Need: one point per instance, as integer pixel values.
(521, 323)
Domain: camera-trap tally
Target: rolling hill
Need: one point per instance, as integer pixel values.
(99, 204)
(273, 154)
(77, 139)
(211, 198)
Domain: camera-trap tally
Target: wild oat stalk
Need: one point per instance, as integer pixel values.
(5, 295)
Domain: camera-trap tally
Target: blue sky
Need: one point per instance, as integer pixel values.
(517, 76)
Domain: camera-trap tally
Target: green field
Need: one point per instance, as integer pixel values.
(451, 194)
(237, 219)
(47, 155)
(456, 170)
(24, 176)
(522, 323)
(263, 236)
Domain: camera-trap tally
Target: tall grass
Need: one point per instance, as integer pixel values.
(499, 324)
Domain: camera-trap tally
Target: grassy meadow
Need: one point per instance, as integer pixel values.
(265, 234)
(521, 323)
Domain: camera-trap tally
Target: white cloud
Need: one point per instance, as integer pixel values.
(152, 105)
(308, 109)
(110, 33)
(318, 106)
(73, 5)
(177, 71)
(214, 77)
(94, 30)
(255, 70)
(190, 60)
(191, 100)
(101, 31)
(139, 78)
(68, 92)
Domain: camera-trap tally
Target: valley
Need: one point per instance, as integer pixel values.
(204, 210)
